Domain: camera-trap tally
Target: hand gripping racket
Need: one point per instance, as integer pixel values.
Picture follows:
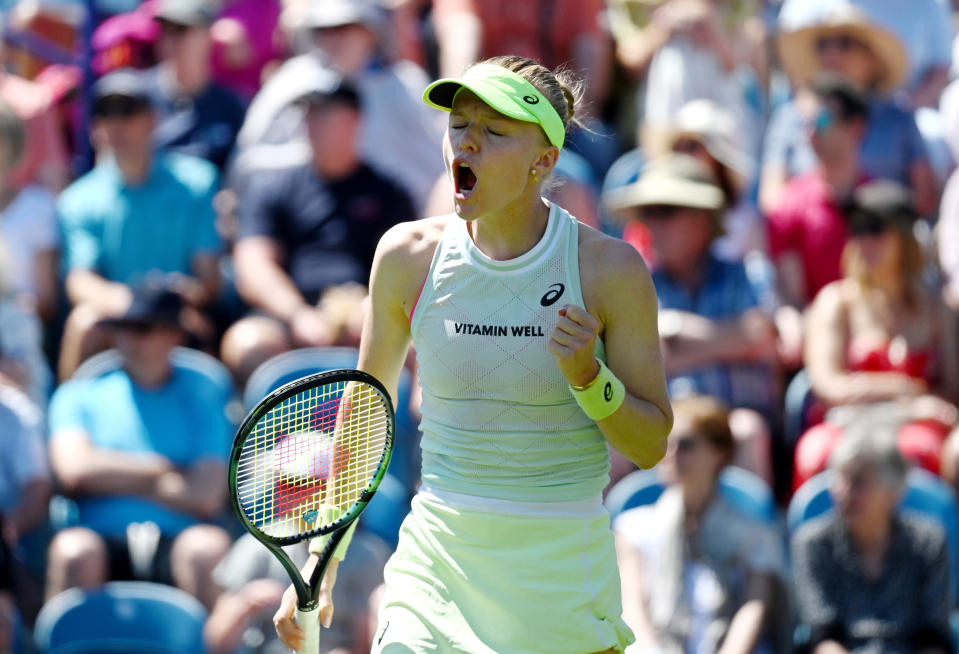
(306, 461)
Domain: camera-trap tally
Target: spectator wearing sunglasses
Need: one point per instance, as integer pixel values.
(717, 337)
(137, 214)
(878, 342)
(848, 42)
(699, 575)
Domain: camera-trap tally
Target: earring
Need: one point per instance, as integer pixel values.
(532, 171)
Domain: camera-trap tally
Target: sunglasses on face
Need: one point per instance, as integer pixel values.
(867, 224)
(840, 43)
(688, 146)
(659, 212)
(169, 28)
(821, 122)
(686, 444)
(119, 107)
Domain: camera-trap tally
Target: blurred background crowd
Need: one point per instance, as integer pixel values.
(190, 195)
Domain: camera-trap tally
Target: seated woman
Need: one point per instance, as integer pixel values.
(877, 341)
(868, 578)
(696, 572)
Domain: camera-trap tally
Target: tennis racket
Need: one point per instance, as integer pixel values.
(306, 461)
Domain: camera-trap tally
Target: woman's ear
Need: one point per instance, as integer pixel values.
(546, 161)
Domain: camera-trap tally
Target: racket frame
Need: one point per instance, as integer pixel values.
(307, 591)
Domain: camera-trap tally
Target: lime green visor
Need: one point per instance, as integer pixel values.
(504, 91)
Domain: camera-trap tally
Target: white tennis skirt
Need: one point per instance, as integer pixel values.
(486, 576)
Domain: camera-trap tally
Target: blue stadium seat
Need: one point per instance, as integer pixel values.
(739, 487)
(925, 494)
(121, 617)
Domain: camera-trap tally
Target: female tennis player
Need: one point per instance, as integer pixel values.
(537, 345)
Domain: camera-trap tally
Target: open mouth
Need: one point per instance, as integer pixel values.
(464, 180)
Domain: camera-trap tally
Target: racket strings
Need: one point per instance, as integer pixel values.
(309, 459)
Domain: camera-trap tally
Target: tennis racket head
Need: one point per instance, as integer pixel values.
(307, 459)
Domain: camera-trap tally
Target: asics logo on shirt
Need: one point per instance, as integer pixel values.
(553, 294)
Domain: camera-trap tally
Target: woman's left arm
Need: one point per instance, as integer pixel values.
(621, 309)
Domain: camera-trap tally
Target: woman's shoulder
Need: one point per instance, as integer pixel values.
(603, 253)
(410, 245)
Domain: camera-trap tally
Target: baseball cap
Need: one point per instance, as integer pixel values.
(335, 13)
(194, 13)
(153, 305)
(123, 83)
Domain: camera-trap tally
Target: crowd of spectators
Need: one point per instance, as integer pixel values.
(215, 175)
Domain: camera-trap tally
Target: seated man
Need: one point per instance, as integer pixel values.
(142, 450)
(136, 214)
(717, 334)
(867, 577)
(307, 229)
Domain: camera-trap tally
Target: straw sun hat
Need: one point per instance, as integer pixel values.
(797, 49)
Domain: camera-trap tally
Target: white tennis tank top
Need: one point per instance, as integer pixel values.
(498, 418)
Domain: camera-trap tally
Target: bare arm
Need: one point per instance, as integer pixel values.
(620, 306)
(632, 575)
(45, 269)
(459, 34)
(199, 490)
(84, 468)
(261, 279)
(746, 628)
(88, 287)
(701, 341)
(399, 267)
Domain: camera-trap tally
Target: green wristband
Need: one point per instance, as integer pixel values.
(601, 397)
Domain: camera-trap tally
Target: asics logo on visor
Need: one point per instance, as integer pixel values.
(530, 99)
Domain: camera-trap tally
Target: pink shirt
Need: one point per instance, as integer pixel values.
(808, 222)
(44, 159)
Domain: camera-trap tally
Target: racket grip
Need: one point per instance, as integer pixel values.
(309, 622)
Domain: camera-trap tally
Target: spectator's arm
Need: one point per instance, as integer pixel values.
(636, 53)
(746, 628)
(692, 341)
(791, 280)
(86, 286)
(199, 490)
(633, 576)
(202, 288)
(83, 468)
(459, 35)
(233, 611)
(261, 279)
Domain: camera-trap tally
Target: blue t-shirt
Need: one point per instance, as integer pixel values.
(728, 290)
(184, 420)
(125, 232)
(891, 145)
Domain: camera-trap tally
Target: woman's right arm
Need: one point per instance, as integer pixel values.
(399, 269)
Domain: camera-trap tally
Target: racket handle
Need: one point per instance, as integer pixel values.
(309, 622)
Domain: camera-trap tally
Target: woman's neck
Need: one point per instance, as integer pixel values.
(511, 231)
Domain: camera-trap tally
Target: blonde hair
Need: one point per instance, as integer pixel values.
(562, 88)
(854, 265)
